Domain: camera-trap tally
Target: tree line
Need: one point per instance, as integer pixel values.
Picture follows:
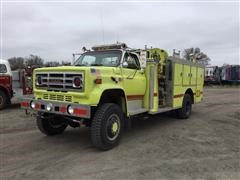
(33, 60)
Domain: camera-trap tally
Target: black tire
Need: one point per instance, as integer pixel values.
(107, 126)
(186, 110)
(3, 99)
(51, 125)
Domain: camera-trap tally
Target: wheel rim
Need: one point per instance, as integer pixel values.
(113, 127)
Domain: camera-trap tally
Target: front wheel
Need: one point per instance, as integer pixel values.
(51, 125)
(186, 110)
(107, 126)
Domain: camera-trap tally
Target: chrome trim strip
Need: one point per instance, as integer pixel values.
(64, 85)
(151, 87)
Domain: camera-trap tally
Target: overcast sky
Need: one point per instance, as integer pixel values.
(55, 30)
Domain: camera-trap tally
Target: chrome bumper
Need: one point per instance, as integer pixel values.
(82, 111)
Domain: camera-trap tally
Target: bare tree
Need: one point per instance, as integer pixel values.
(66, 63)
(195, 54)
(51, 64)
(16, 63)
(34, 60)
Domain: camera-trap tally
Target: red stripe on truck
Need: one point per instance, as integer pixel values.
(178, 95)
(135, 97)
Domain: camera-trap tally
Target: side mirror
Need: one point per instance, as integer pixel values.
(125, 64)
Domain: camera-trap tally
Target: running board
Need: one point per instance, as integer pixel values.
(137, 111)
(161, 110)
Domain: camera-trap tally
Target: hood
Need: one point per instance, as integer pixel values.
(72, 68)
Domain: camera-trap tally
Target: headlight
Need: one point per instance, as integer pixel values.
(32, 104)
(77, 82)
(38, 80)
(49, 107)
(70, 109)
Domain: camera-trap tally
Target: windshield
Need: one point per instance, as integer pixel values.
(3, 68)
(99, 58)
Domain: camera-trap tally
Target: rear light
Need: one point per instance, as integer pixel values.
(77, 82)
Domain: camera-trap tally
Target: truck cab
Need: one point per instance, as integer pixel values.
(6, 91)
(110, 84)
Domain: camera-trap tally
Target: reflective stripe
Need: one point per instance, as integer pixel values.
(134, 97)
(80, 111)
(178, 95)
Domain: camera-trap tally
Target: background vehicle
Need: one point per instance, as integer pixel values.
(230, 74)
(110, 84)
(15, 84)
(227, 74)
(6, 91)
(212, 75)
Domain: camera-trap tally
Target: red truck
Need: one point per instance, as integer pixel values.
(16, 83)
(6, 90)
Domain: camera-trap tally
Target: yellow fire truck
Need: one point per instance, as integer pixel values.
(108, 85)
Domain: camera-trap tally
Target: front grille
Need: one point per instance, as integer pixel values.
(57, 97)
(58, 81)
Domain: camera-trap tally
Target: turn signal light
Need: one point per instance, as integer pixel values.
(98, 81)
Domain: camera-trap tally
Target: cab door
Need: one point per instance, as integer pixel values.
(134, 81)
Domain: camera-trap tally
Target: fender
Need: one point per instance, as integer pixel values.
(98, 91)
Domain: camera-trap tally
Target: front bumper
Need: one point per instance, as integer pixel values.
(82, 111)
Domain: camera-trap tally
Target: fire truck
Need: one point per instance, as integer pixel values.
(6, 91)
(17, 83)
(109, 85)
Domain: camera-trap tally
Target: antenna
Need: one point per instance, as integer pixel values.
(102, 24)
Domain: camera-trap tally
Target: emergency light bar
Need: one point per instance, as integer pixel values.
(110, 46)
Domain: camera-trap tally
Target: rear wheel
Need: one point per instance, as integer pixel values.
(51, 125)
(107, 126)
(186, 109)
(3, 99)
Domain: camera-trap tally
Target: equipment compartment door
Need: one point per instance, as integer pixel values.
(200, 72)
(186, 75)
(178, 72)
(193, 75)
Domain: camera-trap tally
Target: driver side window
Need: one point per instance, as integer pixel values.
(132, 61)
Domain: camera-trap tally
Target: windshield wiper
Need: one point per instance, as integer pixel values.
(96, 64)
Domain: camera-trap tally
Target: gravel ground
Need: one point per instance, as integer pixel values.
(206, 146)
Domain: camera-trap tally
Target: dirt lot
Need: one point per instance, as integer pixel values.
(205, 146)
